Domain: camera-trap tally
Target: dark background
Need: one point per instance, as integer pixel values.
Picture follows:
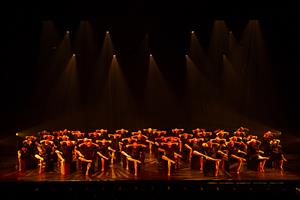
(168, 25)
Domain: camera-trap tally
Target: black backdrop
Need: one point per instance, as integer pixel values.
(20, 105)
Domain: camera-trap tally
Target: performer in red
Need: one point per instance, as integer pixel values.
(66, 155)
(277, 156)
(196, 160)
(135, 154)
(233, 158)
(47, 153)
(103, 153)
(26, 152)
(177, 132)
(170, 153)
(254, 160)
(87, 155)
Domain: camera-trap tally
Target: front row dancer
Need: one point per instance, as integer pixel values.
(87, 153)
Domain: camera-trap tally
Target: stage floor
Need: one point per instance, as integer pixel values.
(152, 170)
(151, 183)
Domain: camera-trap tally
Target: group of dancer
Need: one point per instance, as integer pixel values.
(209, 152)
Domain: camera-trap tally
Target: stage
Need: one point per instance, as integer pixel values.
(153, 171)
(151, 183)
(78, 74)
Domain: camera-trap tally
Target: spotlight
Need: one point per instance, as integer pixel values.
(150, 54)
(107, 32)
(186, 55)
(192, 32)
(114, 55)
(68, 32)
(74, 55)
(17, 134)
